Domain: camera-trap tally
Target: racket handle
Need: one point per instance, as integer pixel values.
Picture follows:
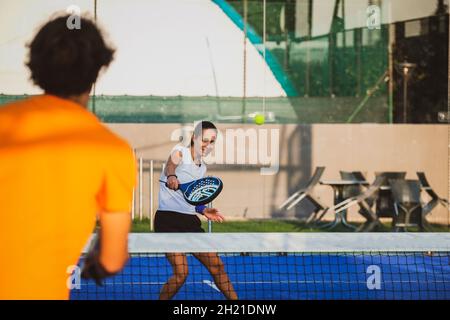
(167, 186)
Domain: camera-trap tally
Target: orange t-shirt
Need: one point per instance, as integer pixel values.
(59, 167)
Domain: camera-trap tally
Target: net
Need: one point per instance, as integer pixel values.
(283, 266)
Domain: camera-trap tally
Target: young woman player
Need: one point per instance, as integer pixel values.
(174, 214)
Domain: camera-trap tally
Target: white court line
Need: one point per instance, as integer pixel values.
(211, 284)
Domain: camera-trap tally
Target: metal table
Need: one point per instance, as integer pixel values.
(338, 189)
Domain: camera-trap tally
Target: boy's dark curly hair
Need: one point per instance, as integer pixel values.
(67, 61)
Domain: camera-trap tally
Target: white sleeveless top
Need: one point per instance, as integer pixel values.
(186, 171)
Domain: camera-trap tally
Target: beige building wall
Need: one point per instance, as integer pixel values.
(362, 147)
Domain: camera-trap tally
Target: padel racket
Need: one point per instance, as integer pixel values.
(201, 191)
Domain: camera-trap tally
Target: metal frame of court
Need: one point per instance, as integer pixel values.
(140, 187)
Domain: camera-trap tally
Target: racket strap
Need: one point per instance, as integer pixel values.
(200, 209)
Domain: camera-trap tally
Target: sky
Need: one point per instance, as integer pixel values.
(171, 47)
(164, 48)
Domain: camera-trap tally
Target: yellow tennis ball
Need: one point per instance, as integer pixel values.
(259, 119)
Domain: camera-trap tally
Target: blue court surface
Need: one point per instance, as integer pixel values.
(385, 276)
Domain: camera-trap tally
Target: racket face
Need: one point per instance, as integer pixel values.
(203, 191)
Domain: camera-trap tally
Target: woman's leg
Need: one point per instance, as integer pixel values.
(180, 273)
(215, 266)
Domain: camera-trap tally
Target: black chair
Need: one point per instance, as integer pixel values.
(385, 201)
(352, 191)
(435, 199)
(407, 204)
(365, 200)
(307, 192)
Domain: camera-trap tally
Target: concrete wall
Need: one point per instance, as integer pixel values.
(364, 147)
